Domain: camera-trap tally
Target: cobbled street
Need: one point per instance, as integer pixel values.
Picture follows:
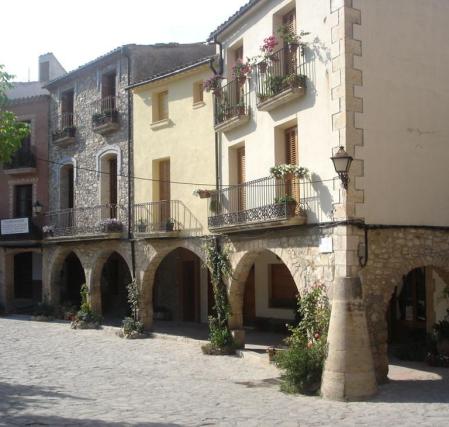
(52, 375)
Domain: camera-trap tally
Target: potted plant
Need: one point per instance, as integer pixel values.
(286, 171)
(202, 193)
(48, 230)
(141, 226)
(111, 225)
(295, 80)
(267, 49)
(213, 84)
(240, 71)
(290, 38)
(170, 224)
(240, 109)
(289, 201)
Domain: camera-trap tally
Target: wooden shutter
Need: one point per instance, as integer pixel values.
(163, 105)
(289, 20)
(291, 157)
(164, 191)
(241, 177)
(282, 287)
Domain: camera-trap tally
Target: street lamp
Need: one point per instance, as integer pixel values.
(342, 162)
(37, 208)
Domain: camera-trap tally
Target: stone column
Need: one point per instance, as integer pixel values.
(146, 301)
(349, 370)
(235, 296)
(94, 285)
(48, 293)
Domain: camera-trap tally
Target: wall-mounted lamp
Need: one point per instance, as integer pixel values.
(37, 208)
(342, 162)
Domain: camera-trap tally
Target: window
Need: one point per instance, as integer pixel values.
(23, 201)
(291, 158)
(67, 107)
(282, 287)
(108, 92)
(160, 107)
(198, 92)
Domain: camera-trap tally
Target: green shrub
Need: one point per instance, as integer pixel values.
(85, 318)
(303, 361)
(132, 326)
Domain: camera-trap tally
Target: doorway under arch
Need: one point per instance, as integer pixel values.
(72, 278)
(115, 276)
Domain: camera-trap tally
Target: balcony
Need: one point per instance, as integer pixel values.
(105, 117)
(23, 161)
(231, 106)
(169, 218)
(265, 202)
(280, 79)
(86, 222)
(64, 130)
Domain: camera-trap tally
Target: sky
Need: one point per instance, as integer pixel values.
(78, 31)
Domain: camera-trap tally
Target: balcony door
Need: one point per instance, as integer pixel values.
(23, 201)
(291, 158)
(108, 88)
(241, 178)
(290, 58)
(113, 186)
(164, 192)
(67, 107)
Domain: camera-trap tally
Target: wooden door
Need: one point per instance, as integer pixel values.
(113, 187)
(249, 299)
(23, 203)
(289, 21)
(241, 178)
(164, 192)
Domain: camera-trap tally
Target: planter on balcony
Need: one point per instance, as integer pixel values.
(111, 226)
(105, 122)
(232, 118)
(64, 137)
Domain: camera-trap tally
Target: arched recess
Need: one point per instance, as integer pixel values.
(66, 180)
(103, 265)
(108, 166)
(149, 274)
(60, 275)
(263, 270)
(379, 287)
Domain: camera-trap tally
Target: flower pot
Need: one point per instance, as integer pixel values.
(293, 47)
(262, 67)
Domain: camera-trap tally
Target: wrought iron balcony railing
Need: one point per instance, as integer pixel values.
(165, 216)
(64, 127)
(105, 114)
(21, 159)
(109, 218)
(284, 69)
(231, 101)
(260, 201)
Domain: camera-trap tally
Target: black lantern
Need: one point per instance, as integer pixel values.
(37, 208)
(342, 162)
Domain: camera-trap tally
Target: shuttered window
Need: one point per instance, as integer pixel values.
(241, 177)
(291, 145)
(289, 21)
(163, 105)
(198, 91)
(164, 193)
(282, 287)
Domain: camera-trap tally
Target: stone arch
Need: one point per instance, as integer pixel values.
(392, 255)
(55, 266)
(148, 274)
(241, 265)
(96, 268)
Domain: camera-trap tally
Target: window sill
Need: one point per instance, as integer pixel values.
(198, 104)
(160, 124)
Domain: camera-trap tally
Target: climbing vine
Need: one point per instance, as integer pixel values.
(219, 265)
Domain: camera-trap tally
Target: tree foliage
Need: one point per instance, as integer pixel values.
(12, 132)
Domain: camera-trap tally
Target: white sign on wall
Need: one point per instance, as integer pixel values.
(15, 226)
(326, 246)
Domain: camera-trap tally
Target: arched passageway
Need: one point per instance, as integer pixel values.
(263, 293)
(115, 276)
(179, 291)
(71, 279)
(418, 302)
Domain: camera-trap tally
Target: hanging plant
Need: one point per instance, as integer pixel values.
(213, 84)
(286, 170)
(241, 70)
(219, 265)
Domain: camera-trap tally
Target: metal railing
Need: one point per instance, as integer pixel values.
(21, 159)
(105, 104)
(262, 200)
(63, 126)
(284, 69)
(165, 216)
(232, 100)
(108, 218)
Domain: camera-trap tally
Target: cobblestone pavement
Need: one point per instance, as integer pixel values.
(52, 375)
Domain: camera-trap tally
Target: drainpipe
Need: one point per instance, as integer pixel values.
(130, 167)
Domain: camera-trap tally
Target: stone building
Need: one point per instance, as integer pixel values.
(379, 237)
(24, 193)
(88, 227)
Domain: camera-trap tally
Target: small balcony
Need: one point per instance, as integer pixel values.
(86, 222)
(166, 218)
(265, 202)
(231, 106)
(64, 130)
(23, 161)
(105, 117)
(280, 79)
